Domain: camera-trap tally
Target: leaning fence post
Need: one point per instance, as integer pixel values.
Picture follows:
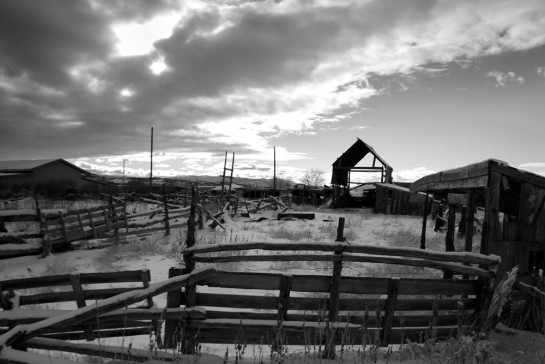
(165, 201)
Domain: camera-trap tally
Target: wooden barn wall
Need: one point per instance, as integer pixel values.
(398, 202)
(520, 240)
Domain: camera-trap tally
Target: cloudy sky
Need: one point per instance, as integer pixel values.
(431, 85)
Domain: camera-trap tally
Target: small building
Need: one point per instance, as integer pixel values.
(513, 201)
(345, 166)
(43, 174)
(311, 195)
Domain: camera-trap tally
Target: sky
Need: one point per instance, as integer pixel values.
(430, 85)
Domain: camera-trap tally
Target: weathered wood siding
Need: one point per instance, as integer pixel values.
(396, 200)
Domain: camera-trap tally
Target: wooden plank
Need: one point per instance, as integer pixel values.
(416, 286)
(297, 215)
(493, 233)
(357, 285)
(460, 257)
(470, 219)
(223, 334)
(64, 279)
(24, 251)
(459, 185)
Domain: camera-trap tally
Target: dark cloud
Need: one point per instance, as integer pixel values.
(43, 39)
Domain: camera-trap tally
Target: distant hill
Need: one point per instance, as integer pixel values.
(209, 180)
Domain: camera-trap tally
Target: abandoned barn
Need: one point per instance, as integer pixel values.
(346, 165)
(513, 202)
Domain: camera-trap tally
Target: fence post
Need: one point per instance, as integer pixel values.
(424, 220)
(333, 307)
(340, 230)
(199, 211)
(187, 338)
(449, 238)
(46, 243)
(281, 316)
(115, 220)
(174, 300)
(165, 201)
(190, 240)
(91, 223)
(389, 310)
(63, 226)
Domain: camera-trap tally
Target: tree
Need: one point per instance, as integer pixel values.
(282, 181)
(313, 177)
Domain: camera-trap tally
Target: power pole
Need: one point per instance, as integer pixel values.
(151, 162)
(124, 171)
(274, 171)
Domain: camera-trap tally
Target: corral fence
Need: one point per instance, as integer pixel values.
(56, 229)
(332, 306)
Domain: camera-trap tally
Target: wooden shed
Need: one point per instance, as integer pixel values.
(398, 200)
(513, 202)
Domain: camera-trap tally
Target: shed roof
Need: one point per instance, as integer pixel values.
(22, 166)
(472, 176)
(356, 153)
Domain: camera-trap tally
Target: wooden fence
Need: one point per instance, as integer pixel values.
(57, 228)
(111, 313)
(330, 307)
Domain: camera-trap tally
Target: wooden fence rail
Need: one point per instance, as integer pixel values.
(330, 306)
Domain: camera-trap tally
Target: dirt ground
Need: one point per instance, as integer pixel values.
(517, 346)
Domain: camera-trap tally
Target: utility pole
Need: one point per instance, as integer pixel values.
(151, 162)
(124, 171)
(274, 171)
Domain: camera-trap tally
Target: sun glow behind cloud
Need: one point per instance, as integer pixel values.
(137, 38)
